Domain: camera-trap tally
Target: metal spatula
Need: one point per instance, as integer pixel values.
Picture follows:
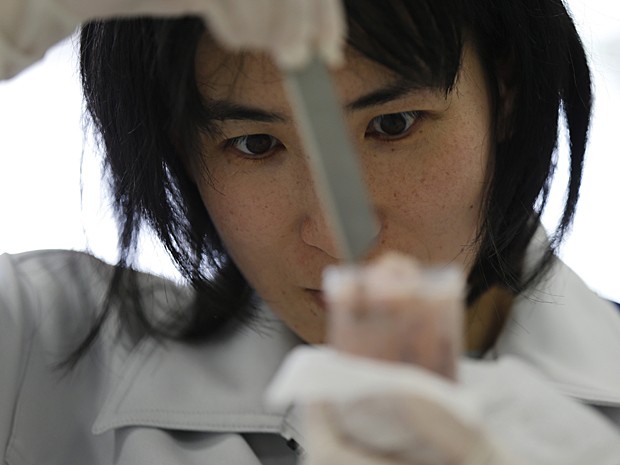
(334, 164)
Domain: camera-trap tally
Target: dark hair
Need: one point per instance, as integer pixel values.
(139, 83)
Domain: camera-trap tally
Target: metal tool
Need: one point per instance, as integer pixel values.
(334, 164)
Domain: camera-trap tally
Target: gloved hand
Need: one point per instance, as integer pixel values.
(500, 412)
(397, 429)
(364, 411)
(289, 29)
(367, 407)
(394, 310)
(397, 310)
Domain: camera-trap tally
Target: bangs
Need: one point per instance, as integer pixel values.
(421, 40)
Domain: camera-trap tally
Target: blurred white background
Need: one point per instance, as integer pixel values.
(43, 156)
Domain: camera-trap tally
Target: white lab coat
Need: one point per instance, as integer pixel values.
(139, 401)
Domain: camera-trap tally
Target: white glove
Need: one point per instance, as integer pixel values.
(397, 310)
(289, 29)
(396, 430)
(363, 411)
(367, 407)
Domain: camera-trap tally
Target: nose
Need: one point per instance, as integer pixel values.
(312, 220)
(317, 232)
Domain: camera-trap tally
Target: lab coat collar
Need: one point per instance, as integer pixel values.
(215, 386)
(570, 334)
(561, 327)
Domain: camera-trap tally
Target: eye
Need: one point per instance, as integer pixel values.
(254, 146)
(393, 125)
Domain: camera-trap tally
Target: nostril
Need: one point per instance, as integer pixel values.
(316, 232)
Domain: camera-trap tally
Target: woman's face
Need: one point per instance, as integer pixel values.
(424, 157)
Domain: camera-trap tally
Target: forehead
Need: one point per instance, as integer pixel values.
(253, 78)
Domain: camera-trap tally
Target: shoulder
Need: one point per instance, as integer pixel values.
(63, 291)
(570, 335)
(46, 303)
(49, 300)
(42, 292)
(48, 275)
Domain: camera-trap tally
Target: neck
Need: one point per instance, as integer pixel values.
(485, 319)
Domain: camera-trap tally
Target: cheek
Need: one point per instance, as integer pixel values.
(429, 194)
(256, 210)
(245, 213)
(454, 185)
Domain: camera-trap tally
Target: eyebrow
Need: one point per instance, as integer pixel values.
(383, 95)
(222, 110)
